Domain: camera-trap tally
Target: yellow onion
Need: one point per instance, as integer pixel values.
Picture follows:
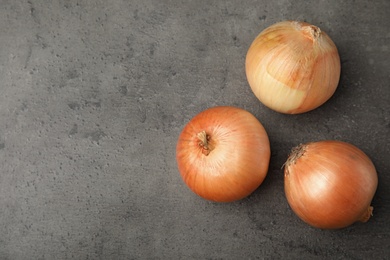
(330, 184)
(223, 154)
(293, 67)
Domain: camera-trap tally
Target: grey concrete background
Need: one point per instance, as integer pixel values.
(94, 94)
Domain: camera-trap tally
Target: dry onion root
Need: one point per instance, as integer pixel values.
(293, 67)
(330, 184)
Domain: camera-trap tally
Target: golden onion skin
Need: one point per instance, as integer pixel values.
(330, 184)
(237, 157)
(293, 67)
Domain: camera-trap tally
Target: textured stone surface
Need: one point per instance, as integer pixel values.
(95, 93)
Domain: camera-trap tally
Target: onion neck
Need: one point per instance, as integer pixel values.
(312, 32)
(204, 142)
(296, 153)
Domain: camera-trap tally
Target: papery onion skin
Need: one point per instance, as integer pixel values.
(293, 67)
(236, 161)
(330, 184)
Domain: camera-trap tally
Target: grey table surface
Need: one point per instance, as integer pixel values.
(94, 94)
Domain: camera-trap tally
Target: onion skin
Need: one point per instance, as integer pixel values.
(236, 161)
(330, 184)
(293, 67)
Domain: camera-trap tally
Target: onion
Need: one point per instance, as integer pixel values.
(330, 184)
(293, 67)
(223, 154)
